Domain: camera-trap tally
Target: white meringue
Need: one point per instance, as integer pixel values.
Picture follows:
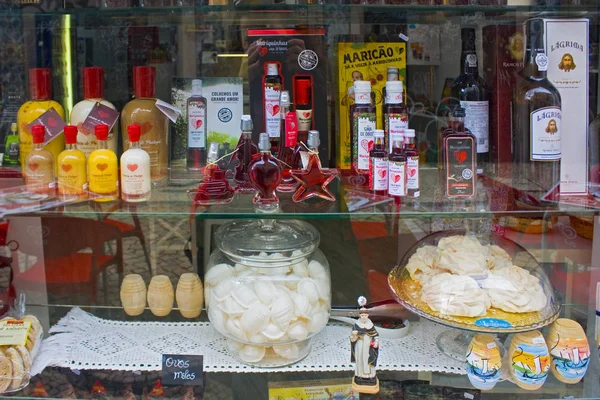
(455, 295)
(218, 273)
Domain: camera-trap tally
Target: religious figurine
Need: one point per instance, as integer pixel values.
(364, 344)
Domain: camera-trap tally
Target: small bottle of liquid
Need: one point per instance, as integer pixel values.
(136, 183)
(304, 111)
(11, 146)
(265, 175)
(196, 124)
(245, 149)
(289, 139)
(272, 86)
(102, 168)
(395, 113)
(72, 174)
(39, 165)
(397, 169)
(412, 164)
(378, 166)
(362, 128)
(459, 156)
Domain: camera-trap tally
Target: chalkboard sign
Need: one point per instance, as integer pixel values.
(182, 369)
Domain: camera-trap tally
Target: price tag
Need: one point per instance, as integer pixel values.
(14, 333)
(99, 115)
(181, 369)
(491, 345)
(53, 123)
(169, 110)
(538, 340)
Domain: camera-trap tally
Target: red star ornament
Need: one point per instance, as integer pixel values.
(313, 180)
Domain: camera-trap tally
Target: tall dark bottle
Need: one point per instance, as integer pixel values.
(536, 119)
(468, 92)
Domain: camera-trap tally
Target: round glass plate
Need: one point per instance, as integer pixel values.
(408, 291)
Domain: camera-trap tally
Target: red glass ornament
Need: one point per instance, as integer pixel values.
(314, 180)
(213, 189)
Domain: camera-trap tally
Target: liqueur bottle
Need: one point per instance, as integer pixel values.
(136, 183)
(459, 156)
(536, 119)
(397, 169)
(289, 140)
(362, 128)
(39, 165)
(468, 92)
(102, 168)
(272, 86)
(412, 164)
(378, 165)
(265, 174)
(72, 173)
(245, 149)
(196, 128)
(11, 146)
(395, 112)
(304, 111)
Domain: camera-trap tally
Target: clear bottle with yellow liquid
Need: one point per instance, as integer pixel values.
(102, 168)
(72, 175)
(40, 89)
(39, 166)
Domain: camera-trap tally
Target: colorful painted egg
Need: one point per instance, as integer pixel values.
(483, 362)
(530, 360)
(569, 349)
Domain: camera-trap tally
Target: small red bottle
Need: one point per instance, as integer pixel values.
(265, 174)
(245, 149)
(412, 164)
(289, 141)
(378, 165)
(397, 169)
(459, 156)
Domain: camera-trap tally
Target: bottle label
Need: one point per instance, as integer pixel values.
(135, 176)
(271, 104)
(363, 138)
(412, 172)
(394, 97)
(541, 59)
(394, 124)
(196, 115)
(12, 149)
(460, 167)
(378, 173)
(304, 120)
(103, 177)
(545, 134)
(476, 120)
(397, 178)
(72, 178)
(291, 129)
(472, 60)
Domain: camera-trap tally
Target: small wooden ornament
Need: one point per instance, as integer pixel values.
(569, 349)
(483, 362)
(530, 360)
(189, 295)
(160, 295)
(133, 294)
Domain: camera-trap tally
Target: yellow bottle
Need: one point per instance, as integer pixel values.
(72, 175)
(102, 168)
(39, 166)
(40, 89)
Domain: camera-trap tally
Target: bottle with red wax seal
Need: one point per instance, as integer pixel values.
(72, 172)
(136, 184)
(289, 140)
(214, 187)
(39, 165)
(378, 165)
(397, 169)
(103, 172)
(242, 157)
(412, 164)
(304, 111)
(265, 175)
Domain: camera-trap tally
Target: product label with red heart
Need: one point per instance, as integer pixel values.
(291, 129)
(364, 129)
(271, 104)
(412, 172)
(460, 166)
(100, 114)
(304, 120)
(397, 178)
(394, 124)
(53, 123)
(378, 173)
(196, 116)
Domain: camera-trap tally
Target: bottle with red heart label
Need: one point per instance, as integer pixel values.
(412, 164)
(103, 172)
(397, 168)
(459, 155)
(196, 128)
(136, 184)
(39, 166)
(362, 129)
(378, 165)
(72, 173)
(272, 87)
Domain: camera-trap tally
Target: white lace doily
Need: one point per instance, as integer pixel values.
(81, 341)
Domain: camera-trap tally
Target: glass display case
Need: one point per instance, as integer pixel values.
(299, 199)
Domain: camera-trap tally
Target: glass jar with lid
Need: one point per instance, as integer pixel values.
(268, 289)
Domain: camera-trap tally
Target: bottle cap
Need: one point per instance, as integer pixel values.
(534, 34)
(313, 139)
(197, 87)
(284, 98)
(393, 74)
(246, 124)
(40, 83)
(467, 34)
(272, 69)
(394, 86)
(134, 131)
(409, 133)
(93, 83)
(143, 82)
(101, 131)
(459, 112)
(362, 86)
(303, 90)
(379, 133)
(263, 142)
(213, 151)
(397, 137)
(38, 132)
(70, 134)
(13, 127)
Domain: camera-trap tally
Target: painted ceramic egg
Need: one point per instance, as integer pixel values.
(483, 362)
(530, 360)
(569, 350)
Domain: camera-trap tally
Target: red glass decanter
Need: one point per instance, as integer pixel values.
(214, 187)
(265, 174)
(242, 157)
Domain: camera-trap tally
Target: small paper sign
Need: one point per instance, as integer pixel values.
(14, 333)
(53, 123)
(99, 115)
(169, 110)
(180, 369)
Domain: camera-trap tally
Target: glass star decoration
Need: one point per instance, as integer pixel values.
(313, 180)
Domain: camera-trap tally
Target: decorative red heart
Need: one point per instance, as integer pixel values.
(412, 172)
(269, 108)
(132, 167)
(33, 167)
(263, 51)
(460, 156)
(198, 123)
(275, 110)
(82, 129)
(102, 114)
(52, 122)
(395, 178)
(101, 167)
(382, 173)
(371, 144)
(306, 114)
(365, 144)
(66, 167)
(146, 127)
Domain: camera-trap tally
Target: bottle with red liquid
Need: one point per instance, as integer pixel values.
(412, 164)
(362, 128)
(459, 155)
(245, 149)
(196, 128)
(395, 113)
(265, 175)
(304, 111)
(378, 165)
(397, 169)
(272, 86)
(289, 140)
(214, 187)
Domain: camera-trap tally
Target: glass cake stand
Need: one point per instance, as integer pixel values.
(454, 342)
